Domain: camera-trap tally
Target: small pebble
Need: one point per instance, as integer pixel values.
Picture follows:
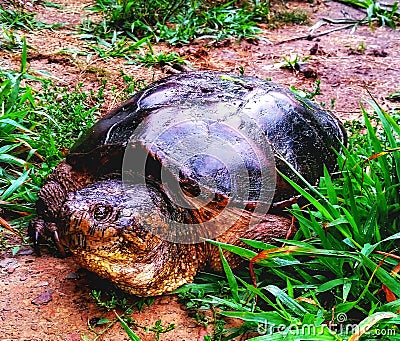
(25, 252)
(42, 284)
(9, 263)
(74, 337)
(44, 298)
(72, 275)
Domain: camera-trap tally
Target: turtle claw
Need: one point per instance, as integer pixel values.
(58, 244)
(38, 228)
(35, 229)
(36, 244)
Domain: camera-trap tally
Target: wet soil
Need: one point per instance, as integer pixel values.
(48, 298)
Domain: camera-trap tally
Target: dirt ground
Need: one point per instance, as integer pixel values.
(48, 298)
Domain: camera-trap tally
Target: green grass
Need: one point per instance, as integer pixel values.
(291, 62)
(185, 21)
(19, 19)
(127, 26)
(35, 128)
(177, 22)
(13, 19)
(336, 272)
(384, 14)
(115, 45)
(217, 23)
(9, 40)
(115, 301)
(119, 46)
(150, 58)
(153, 59)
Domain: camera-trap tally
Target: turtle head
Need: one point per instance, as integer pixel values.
(104, 226)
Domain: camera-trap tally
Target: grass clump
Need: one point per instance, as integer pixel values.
(35, 128)
(118, 304)
(139, 52)
(19, 19)
(384, 14)
(151, 58)
(16, 18)
(216, 22)
(114, 46)
(179, 21)
(338, 279)
(129, 25)
(9, 40)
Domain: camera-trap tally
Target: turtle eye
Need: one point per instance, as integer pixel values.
(102, 212)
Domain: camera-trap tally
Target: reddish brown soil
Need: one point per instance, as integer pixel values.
(346, 75)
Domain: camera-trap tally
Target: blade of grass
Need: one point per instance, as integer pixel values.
(383, 275)
(230, 276)
(245, 253)
(269, 317)
(131, 334)
(332, 196)
(15, 185)
(308, 196)
(368, 322)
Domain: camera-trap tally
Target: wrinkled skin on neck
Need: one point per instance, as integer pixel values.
(106, 226)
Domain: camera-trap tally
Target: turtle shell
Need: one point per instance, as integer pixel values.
(211, 132)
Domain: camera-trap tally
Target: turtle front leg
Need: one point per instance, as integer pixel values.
(63, 180)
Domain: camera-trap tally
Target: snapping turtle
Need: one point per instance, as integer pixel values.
(192, 156)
